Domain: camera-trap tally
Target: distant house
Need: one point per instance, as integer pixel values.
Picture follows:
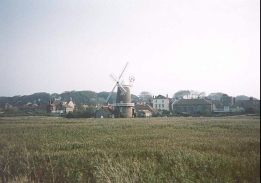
(57, 107)
(192, 106)
(105, 112)
(145, 107)
(244, 104)
(70, 103)
(67, 108)
(161, 103)
(33, 108)
(61, 107)
(144, 113)
(7, 105)
(226, 100)
(85, 106)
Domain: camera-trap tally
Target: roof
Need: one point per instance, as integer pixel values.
(248, 103)
(160, 97)
(108, 109)
(145, 111)
(192, 102)
(85, 106)
(67, 106)
(33, 107)
(57, 102)
(146, 107)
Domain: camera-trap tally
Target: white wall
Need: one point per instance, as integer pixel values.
(162, 104)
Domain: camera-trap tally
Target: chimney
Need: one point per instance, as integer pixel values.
(167, 96)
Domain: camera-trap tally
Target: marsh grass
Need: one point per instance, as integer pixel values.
(48, 149)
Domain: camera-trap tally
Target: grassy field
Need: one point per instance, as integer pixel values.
(53, 149)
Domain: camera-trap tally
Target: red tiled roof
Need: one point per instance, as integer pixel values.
(67, 106)
(57, 102)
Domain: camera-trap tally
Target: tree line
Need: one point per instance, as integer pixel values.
(92, 98)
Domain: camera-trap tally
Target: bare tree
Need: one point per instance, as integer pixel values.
(146, 96)
(188, 94)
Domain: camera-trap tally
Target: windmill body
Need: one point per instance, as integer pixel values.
(123, 105)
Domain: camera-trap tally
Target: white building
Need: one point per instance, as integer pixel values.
(161, 103)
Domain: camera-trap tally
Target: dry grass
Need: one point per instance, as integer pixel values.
(48, 149)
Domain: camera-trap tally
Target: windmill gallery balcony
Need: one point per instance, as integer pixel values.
(123, 104)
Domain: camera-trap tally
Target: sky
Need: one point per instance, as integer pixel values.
(55, 46)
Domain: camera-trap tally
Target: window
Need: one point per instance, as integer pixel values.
(155, 101)
(162, 101)
(156, 106)
(162, 105)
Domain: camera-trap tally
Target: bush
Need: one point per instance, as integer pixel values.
(11, 110)
(206, 113)
(184, 114)
(122, 115)
(69, 115)
(81, 113)
(250, 110)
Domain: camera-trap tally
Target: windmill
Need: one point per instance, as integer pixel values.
(123, 105)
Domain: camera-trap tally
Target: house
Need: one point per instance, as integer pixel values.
(61, 107)
(192, 106)
(244, 104)
(68, 108)
(226, 100)
(85, 106)
(160, 102)
(33, 108)
(105, 112)
(144, 113)
(153, 111)
(7, 105)
(57, 107)
(70, 103)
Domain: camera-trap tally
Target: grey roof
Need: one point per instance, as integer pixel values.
(192, 102)
(160, 97)
(108, 109)
(146, 107)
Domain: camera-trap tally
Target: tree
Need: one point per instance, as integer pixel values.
(146, 96)
(250, 110)
(242, 97)
(202, 94)
(215, 96)
(188, 94)
(181, 94)
(104, 95)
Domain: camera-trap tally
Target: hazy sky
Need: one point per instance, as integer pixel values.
(171, 45)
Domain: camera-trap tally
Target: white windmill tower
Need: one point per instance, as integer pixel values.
(123, 105)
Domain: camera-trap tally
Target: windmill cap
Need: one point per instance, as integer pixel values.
(123, 83)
